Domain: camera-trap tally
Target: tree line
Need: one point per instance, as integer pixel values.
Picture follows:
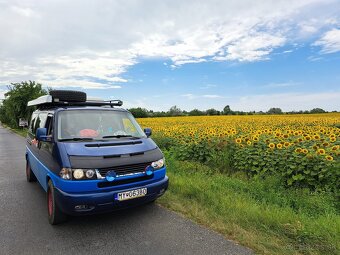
(175, 111)
(14, 106)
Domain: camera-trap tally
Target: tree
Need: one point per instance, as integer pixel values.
(14, 106)
(196, 112)
(274, 111)
(139, 112)
(227, 110)
(317, 110)
(212, 111)
(175, 111)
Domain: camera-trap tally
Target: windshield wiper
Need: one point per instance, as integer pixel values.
(77, 139)
(120, 136)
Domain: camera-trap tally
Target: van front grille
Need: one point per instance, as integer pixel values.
(106, 184)
(126, 169)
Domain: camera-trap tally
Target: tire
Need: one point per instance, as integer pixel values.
(30, 176)
(68, 95)
(55, 215)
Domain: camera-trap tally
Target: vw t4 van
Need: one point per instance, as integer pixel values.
(90, 156)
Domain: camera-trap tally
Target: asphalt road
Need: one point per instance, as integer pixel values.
(149, 229)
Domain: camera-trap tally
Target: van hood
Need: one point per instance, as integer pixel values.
(109, 148)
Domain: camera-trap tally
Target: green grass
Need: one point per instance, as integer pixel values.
(260, 214)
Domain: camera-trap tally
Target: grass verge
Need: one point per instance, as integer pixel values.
(260, 214)
(20, 131)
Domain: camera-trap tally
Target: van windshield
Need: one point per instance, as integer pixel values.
(97, 125)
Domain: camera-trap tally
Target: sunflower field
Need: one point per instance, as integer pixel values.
(304, 150)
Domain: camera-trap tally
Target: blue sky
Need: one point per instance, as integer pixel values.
(193, 54)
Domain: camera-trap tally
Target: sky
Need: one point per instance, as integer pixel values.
(251, 55)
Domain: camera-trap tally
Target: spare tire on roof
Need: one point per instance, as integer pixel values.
(68, 95)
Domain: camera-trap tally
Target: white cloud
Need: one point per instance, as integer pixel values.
(282, 84)
(252, 47)
(192, 96)
(91, 70)
(208, 86)
(212, 96)
(330, 41)
(287, 51)
(26, 12)
(91, 44)
(189, 96)
(288, 101)
(328, 101)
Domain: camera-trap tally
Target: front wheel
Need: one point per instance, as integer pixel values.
(55, 215)
(29, 174)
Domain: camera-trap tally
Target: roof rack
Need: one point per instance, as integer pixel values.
(48, 101)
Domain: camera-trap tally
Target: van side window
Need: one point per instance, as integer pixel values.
(32, 123)
(49, 125)
(39, 122)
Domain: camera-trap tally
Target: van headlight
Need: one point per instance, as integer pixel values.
(77, 174)
(66, 173)
(158, 164)
(89, 173)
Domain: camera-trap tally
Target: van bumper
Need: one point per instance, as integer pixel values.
(104, 201)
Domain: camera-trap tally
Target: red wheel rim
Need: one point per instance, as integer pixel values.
(49, 203)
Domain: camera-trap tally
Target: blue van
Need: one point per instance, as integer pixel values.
(91, 156)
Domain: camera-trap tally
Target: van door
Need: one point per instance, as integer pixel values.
(39, 121)
(32, 143)
(47, 150)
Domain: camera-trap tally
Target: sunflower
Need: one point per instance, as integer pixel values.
(333, 139)
(238, 140)
(287, 144)
(304, 151)
(335, 147)
(279, 146)
(272, 145)
(316, 137)
(298, 150)
(249, 142)
(321, 151)
(329, 158)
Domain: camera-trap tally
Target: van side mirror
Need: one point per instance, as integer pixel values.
(148, 131)
(41, 135)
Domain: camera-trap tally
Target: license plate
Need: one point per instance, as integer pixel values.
(126, 195)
